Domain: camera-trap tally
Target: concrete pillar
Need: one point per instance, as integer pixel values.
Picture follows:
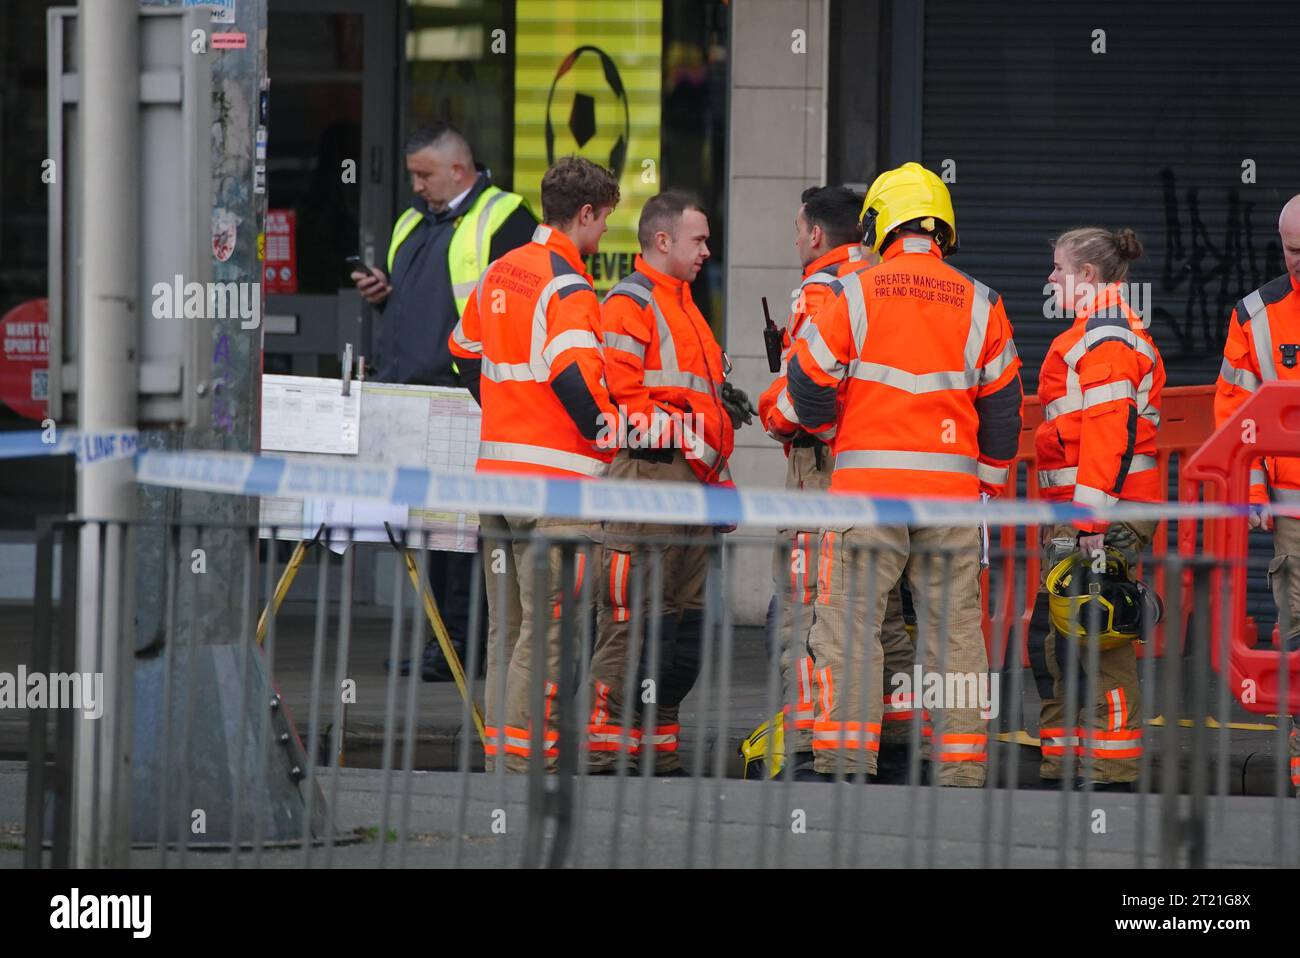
(776, 147)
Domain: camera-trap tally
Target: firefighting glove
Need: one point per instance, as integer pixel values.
(738, 406)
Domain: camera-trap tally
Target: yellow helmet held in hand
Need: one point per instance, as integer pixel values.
(900, 196)
(763, 751)
(1074, 591)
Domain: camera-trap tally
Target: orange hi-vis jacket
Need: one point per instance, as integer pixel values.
(534, 321)
(1263, 342)
(775, 410)
(1100, 392)
(665, 372)
(932, 396)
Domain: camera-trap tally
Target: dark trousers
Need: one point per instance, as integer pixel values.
(452, 586)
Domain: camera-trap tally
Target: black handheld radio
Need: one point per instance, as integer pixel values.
(772, 340)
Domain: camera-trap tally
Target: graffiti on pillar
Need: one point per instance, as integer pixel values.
(223, 406)
(1207, 270)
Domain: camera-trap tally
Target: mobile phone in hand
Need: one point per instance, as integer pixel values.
(357, 265)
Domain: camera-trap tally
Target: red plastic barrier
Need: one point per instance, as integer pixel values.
(1186, 422)
(1220, 472)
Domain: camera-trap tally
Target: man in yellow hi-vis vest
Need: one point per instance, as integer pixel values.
(457, 224)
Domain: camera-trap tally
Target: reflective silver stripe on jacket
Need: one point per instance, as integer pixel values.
(993, 475)
(915, 383)
(1050, 478)
(821, 353)
(624, 343)
(671, 374)
(507, 372)
(1262, 335)
(1145, 409)
(538, 368)
(460, 339)
(857, 304)
(979, 325)
(1238, 377)
(635, 290)
(542, 456)
(785, 407)
(821, 277)
(999, 364)
(1089, 496)
(1072, 401)
(1109, 392)
(675, 378)
(899, 459)
(699, 448)
(569, 339)
(481, 232)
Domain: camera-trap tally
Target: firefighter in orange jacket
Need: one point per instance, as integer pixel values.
(1263, 346)
(914, 370)
(828, 238)
(534, 323)
(667, 377)
(1100, 388)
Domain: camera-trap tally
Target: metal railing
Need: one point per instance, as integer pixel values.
(259, 749)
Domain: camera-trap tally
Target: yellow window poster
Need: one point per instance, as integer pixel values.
(587, 82)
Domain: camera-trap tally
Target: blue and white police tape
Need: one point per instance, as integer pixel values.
(614, 500)
(89, 448)
(592, 500)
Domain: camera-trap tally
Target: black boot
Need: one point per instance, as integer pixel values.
(434, 666)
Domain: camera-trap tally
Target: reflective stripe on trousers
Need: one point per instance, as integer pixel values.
(1054, 741)
(519, 740)
(604, 736)
(901, 711)
(1101, 744)
(805, 714)
(846, 735)
(963, 748)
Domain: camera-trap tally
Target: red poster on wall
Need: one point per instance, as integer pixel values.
(25, 358)
(280, 268)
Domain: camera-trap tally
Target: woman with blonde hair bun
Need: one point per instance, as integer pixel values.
(1100, 392)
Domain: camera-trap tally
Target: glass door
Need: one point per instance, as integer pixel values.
(331, 123)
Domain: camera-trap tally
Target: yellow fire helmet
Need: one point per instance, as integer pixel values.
(900, 196)
(764, 750)
(1073, 588)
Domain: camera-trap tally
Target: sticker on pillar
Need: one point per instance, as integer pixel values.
(225, 233)
(229, 41)
(223, 11)
(280, 269)
(259, 179)
(24, 359)
(260, 144)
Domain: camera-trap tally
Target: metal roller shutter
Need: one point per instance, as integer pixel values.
(1043, 134)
